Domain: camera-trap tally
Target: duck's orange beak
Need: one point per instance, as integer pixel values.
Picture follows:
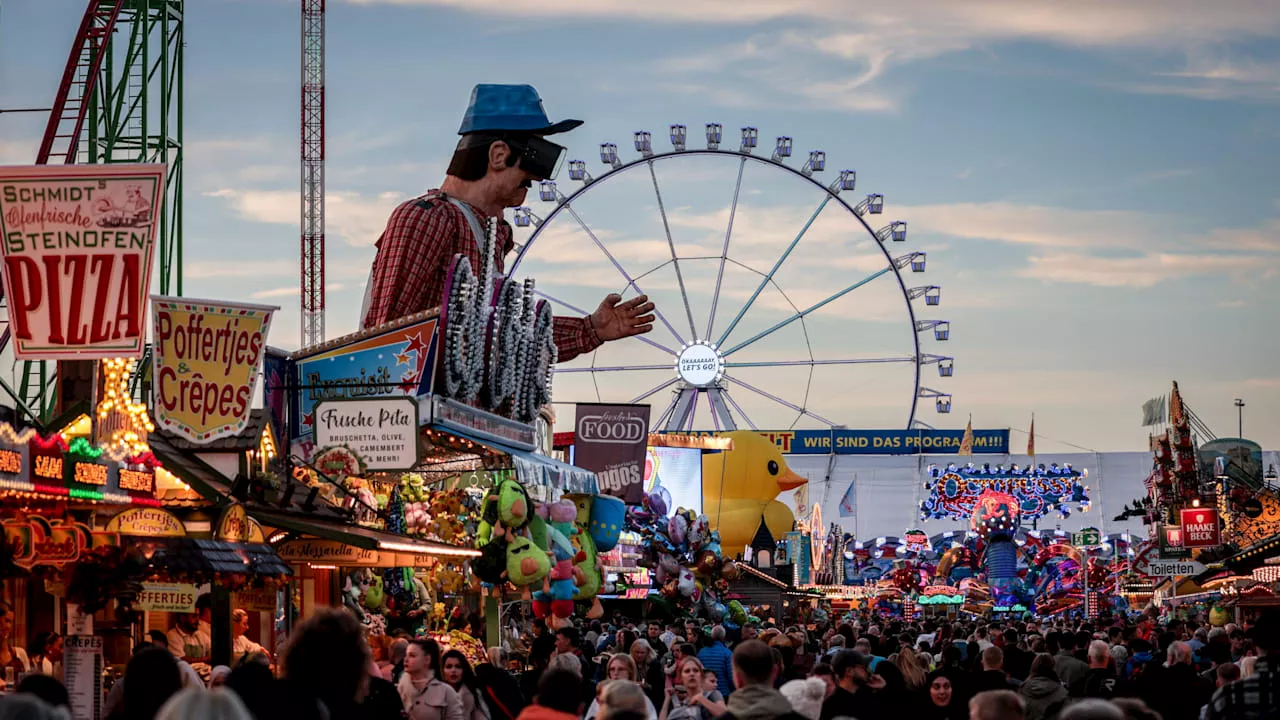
(790, 481)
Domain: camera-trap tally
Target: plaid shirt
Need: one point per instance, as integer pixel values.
(414, 254)
(1253, 698)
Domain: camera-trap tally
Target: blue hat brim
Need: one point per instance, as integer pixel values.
(491, 126)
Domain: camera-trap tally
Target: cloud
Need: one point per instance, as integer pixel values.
(1140, 272)
(355, 218)
(19, 152)
(1036, 225)
(202, 269)
(291, 291)
(1232, 304)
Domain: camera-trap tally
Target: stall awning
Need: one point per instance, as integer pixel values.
(189, 556)
(1254, 556)
(534, 470)
(357, 536)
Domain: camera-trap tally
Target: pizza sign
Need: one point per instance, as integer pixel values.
(1200, 528)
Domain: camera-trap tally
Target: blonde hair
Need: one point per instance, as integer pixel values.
(915, 670)
(627, 660)
(199, 704)
(622, 696)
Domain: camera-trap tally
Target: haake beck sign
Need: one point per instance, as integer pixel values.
(1200, 528)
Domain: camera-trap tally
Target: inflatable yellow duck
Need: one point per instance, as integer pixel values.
(739, 485)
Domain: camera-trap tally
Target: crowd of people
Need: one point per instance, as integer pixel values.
(861, 666)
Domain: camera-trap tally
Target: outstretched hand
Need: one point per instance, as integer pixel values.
(615, 319)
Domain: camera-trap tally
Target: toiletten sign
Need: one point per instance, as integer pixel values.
(78, 244)
(1200, 528)
(382, 431)
(205, 361)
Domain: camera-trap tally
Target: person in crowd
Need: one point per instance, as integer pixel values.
(854, 695)
(47, 688)
(649, 670)
(395, 659)
(754, 676)
(568, 641)
(241, 645)
(653, 633)
(805, 696)
(1065, 663)
(381, 698)
(21, 706)
(946, 700)
(327, 659)
(198, 704)
(501, 691)
(997, 705)
(717, 658)
(680, 652)
(11, 656)
(620, 667)
(1258, 695)
(823, 672)
(1101, 680)
(1225, 674)
(914, 667)
(993, 676)
(1176, 690)
(625, 698)
(44, 652)
(1092, 709)
(457, 674)
(1135, 709)
(218, 676)
(1248, 666)
(686, 700)
(1043, 692)
(557, 697)
(424, 694)
(150, 679)
(187, 641)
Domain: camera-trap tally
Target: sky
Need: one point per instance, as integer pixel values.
(1090, 181)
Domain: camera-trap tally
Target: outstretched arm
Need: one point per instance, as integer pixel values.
(613, 320)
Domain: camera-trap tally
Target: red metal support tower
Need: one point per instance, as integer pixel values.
(312, 172)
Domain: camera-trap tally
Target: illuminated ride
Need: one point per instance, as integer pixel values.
(744, 319)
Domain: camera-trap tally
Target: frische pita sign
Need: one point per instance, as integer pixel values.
(78, 243)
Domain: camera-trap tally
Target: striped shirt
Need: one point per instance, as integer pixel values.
(1256, 697)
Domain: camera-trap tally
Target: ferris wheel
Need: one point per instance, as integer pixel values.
(779, 303)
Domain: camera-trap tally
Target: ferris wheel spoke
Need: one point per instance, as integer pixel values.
(614, 368)
(580, 311)
(780, 401)
(631, 282)
(724, 252)
(808, 310)
(765, 282)
(658, 388)
(728, 396)
(662, 419)
(666, 227)
(850, 361)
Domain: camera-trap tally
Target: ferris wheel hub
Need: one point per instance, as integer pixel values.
(700, 364)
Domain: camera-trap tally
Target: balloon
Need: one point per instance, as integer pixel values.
(707, 563)
(658, 502)
(730, 570)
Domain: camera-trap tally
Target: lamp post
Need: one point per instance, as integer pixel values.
(1240, 416)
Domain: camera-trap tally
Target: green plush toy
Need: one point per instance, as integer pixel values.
(506, 508)
(589, 566)
(526, 563)
(373, 596)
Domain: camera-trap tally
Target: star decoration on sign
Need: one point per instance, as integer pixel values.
(409, 381)
(308, 419)
(417, 345)
(403, 358)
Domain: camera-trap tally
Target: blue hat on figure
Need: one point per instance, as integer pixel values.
(511, 108)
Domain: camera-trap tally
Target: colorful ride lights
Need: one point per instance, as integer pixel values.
(1013, 470)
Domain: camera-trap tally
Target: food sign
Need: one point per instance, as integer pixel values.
(206, 360)
(78, 247)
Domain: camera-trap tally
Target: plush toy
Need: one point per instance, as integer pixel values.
(526, 563)
(491, 566)
(737, 613)
(560, 517)
(351, 597)
(374, 597)
(507, 507)
(590, 567)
